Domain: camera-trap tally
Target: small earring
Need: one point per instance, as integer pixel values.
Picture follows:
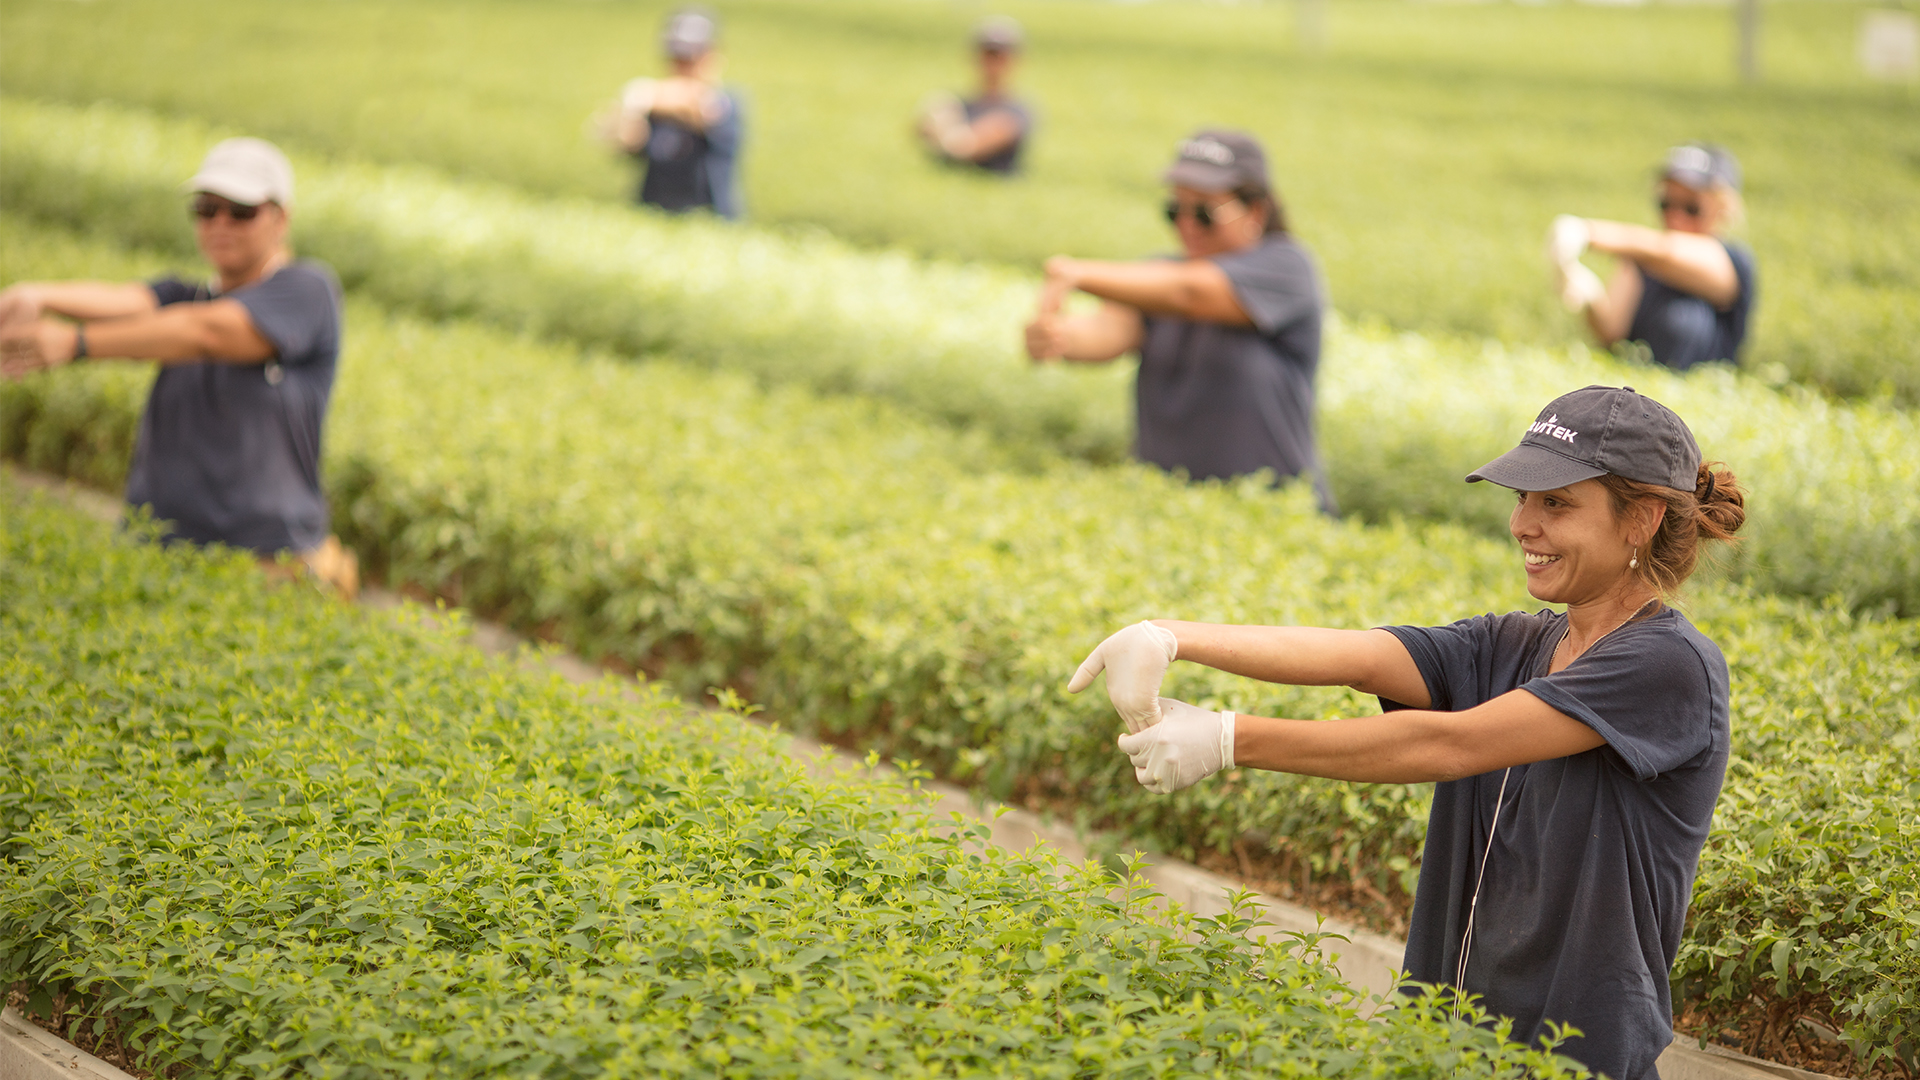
(1634, 563)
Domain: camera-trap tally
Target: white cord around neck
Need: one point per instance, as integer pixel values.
(1466, 939)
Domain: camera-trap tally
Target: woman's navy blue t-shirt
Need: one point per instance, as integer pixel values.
(1593, 861)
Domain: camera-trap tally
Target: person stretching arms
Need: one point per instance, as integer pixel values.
(229, 444)
(1683, 290)
(1576, 755)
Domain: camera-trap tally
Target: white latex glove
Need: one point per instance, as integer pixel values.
(1135, 660)
(1187, 746)
(1567, 239)
(1579, 286)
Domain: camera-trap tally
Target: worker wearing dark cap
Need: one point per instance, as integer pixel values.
(1684, 290)
(686, 127)
(988, 130)
(1228, 336)
(1576, 755)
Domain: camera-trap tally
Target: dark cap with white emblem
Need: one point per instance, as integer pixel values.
(1219, 161)
(1595, 431)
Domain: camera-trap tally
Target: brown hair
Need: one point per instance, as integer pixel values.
(1714, 510)
(1254, 196)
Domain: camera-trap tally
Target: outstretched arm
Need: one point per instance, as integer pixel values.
(1194, 289)
(943, 124)
(1370, 661)
(219, 330)
(1691, 262)
(1414, 746)
(27, 300)
(1135, 660)
(1410, 746)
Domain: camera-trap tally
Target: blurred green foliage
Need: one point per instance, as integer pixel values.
(1402, 418)
(892, 583)
(1422, 153)
(275, 837)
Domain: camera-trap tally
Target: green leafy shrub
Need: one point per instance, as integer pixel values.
(893, 584)
(278, 837)
(1421, 151)
(1808, 886)
(1402, 418)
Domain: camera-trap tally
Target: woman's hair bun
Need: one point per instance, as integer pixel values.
(1721, 502)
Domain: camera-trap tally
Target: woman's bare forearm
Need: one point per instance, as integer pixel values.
(1691, 262)
(1413, 746)
(1371, 661)
(1190, 288)
(1393, 748)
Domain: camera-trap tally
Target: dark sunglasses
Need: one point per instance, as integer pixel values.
(1691, 209)
(208, 209)
(1202, 216)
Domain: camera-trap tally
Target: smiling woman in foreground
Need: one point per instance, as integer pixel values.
(1578, 755)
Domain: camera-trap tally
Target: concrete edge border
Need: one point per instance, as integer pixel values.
(30, 1052)
(1370, 961)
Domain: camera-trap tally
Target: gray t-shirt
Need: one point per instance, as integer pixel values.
(1593, 860)
(230, 453)
(1222, 401)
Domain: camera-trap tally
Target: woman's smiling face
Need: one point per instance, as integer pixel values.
(1576, 548)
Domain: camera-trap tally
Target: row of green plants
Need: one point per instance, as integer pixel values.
(266, 835)
(1421, 151)
(890, 583)
(1402, 417)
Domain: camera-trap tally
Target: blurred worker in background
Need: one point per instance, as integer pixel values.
(988, 130)
(1228, 337)
(229, 444)
(686, 127)
(1683, 289)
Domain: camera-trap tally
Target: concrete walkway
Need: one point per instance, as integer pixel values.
(1369, 961)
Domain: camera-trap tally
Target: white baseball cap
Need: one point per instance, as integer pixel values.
(247, 171)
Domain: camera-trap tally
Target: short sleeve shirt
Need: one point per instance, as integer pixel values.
(230, 453)
(1006, 161)
(1593, 858)
(694, 170)
(1681, 329)
(1222, 401)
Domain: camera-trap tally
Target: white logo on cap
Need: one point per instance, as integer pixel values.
(1551, 428)
(1208, 150)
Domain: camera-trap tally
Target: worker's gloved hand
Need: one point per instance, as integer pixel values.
(1567, 239)
(1135, 660)
(1188, 745)
(1579, 286)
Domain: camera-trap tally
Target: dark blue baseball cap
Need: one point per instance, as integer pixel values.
(1219, 160)
(1595, 431)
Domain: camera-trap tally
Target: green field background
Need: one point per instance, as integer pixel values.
(1422, 152)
